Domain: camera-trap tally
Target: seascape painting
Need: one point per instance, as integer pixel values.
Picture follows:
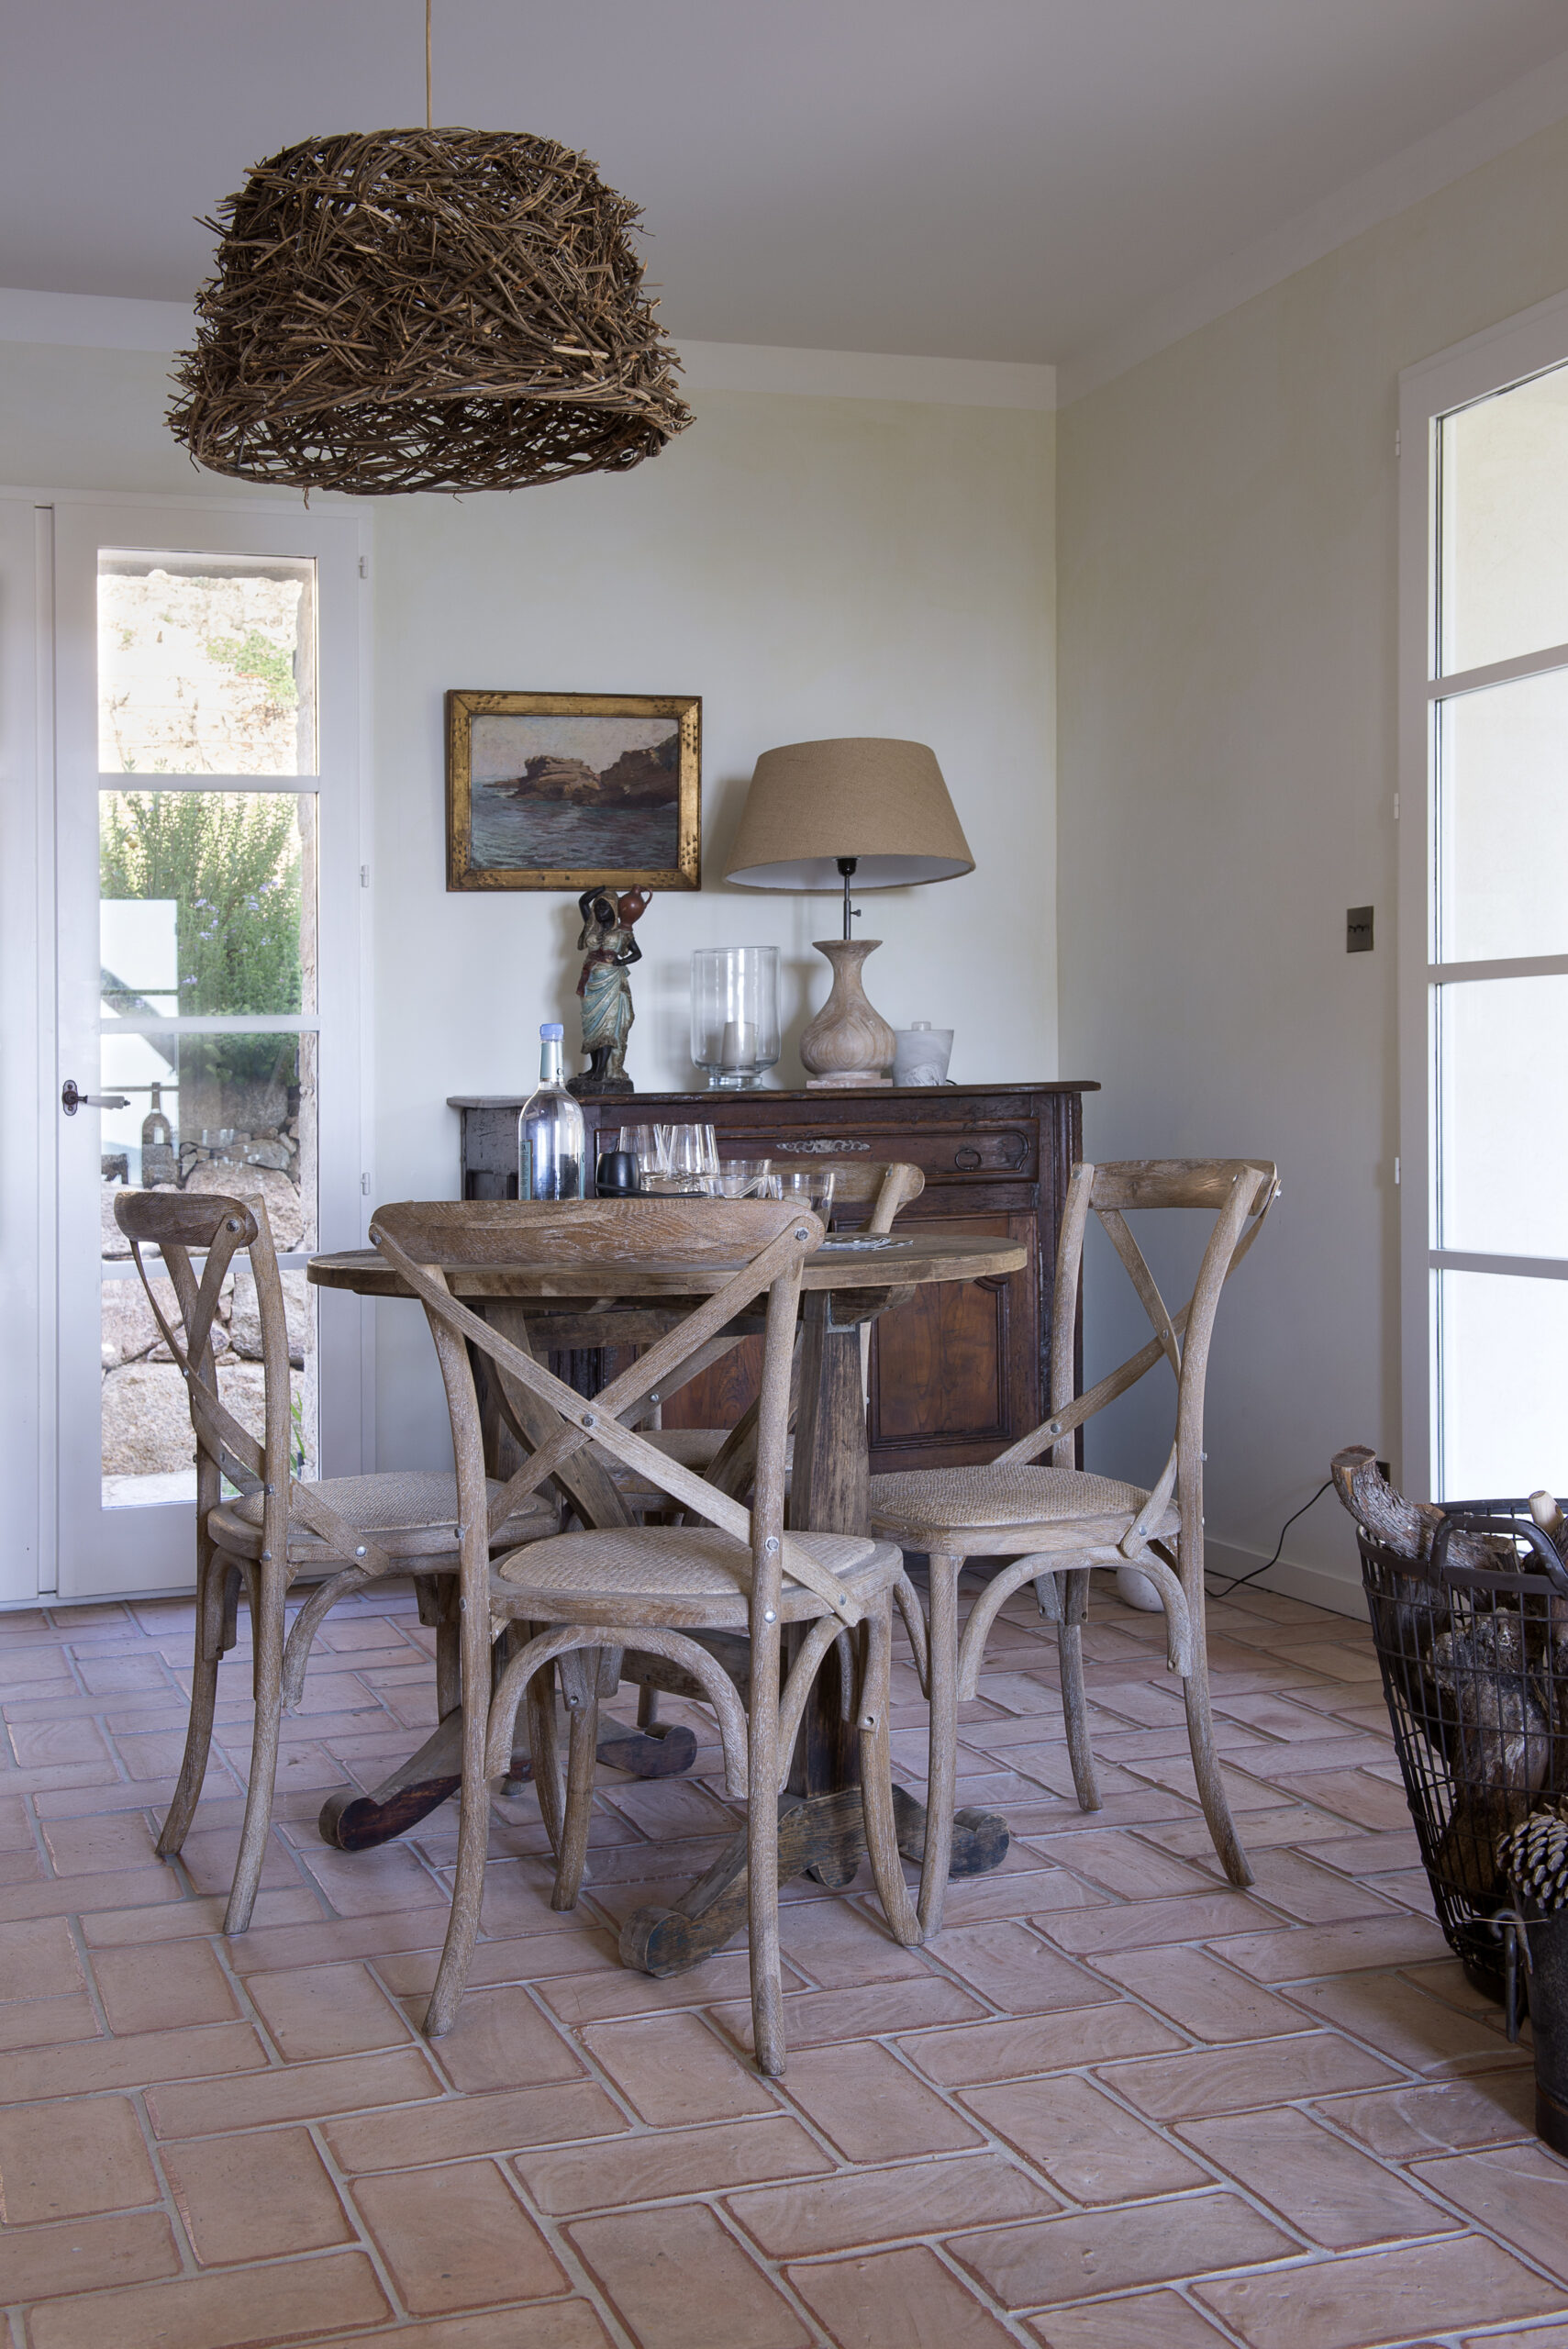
(563, 791)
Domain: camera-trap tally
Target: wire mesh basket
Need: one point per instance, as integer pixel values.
(1474, 1665)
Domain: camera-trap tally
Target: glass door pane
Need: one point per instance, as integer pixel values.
(1503, 525)
(1502, 1358)
(1502, 1125)
(1503, 821)
(206, 664)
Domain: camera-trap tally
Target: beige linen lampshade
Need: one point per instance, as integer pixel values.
(882, 803)
(864, 811)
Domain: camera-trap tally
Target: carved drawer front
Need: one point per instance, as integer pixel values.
(955, 1150)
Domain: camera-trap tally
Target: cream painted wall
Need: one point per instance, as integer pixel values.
(809, 565)
(1227, 575)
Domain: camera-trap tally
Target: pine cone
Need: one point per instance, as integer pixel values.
(1534, 1858)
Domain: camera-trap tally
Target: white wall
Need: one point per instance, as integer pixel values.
(1227, 761)
(809, 565)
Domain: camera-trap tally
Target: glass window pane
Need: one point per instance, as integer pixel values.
(147, 1447)
(1503, 1116)
(1503, 1352)
(1504, 524)
(207, 903)
(1503, 821)
(233, 1113)
(206, 664)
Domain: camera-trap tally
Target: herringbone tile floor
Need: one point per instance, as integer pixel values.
(1116, 2105)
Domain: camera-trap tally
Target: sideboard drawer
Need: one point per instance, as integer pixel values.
(958, 1152)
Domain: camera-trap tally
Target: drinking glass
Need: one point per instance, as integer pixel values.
(647, 1146)
(743, 1178)
(813, 1185)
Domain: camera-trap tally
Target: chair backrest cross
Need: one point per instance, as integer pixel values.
(442, 1248)
(1238, 1192)
(179, 1224)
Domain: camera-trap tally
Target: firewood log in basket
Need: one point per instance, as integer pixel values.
(1482, 1674)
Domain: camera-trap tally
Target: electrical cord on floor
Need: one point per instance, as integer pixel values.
(1240, 1579)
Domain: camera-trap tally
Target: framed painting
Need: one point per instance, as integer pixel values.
(566, 791)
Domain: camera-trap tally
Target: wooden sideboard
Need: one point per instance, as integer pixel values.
(961, 1371)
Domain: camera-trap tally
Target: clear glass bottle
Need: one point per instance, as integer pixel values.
(159, 1164)
(550, 1134)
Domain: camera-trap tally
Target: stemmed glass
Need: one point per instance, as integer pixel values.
(693, 1159)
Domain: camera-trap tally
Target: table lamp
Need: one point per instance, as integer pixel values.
(822, 815)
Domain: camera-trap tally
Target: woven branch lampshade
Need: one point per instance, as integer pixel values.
(400, 310)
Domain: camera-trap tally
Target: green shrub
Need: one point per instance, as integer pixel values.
(231, 861)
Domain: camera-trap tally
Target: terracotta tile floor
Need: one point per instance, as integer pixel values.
(1116, 2106)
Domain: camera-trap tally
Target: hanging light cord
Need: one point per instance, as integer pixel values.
(1279, 1545)
(429, 120)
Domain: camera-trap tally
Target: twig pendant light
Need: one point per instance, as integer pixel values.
(400, 310)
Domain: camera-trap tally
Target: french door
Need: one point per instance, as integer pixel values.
(1483, 922)
(207, 981)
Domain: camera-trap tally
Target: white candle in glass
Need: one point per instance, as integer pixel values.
(737, 1048)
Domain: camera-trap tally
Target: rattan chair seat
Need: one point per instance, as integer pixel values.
(926, 1504)
(694, 1448)
(411, 1513)
(691, 1574)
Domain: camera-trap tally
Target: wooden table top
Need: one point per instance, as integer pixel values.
(902, 1259)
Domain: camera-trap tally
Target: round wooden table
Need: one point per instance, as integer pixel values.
(849, 1281)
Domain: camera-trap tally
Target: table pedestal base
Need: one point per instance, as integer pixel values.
(821, 1833)
(431, 1777)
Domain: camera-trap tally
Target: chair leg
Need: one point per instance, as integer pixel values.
(468, 1882)
(582, 1755)
(941, 1767)
(212, 1595)
(1205, 1769)
(762, 1857)
(1074, 1589)
(544, 1750)
(268, 1589)
(876, 1787)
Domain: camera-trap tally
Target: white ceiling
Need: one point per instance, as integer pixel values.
(998, 179)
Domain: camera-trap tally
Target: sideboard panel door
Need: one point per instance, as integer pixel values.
(962, 1371)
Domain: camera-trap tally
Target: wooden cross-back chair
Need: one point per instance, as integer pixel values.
(1053, 1524)
(273, 1528)
(584, 1597)
(888, 1186)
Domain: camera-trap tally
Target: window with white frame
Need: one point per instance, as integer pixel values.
(199, 960)
(1484, 914)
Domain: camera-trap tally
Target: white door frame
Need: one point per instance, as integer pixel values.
(52, 783)
(1529, 344)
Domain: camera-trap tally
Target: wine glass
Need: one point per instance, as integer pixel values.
(693, 1159)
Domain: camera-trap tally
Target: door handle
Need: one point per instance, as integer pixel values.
(70, 1100)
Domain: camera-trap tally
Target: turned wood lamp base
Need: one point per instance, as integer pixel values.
(848, 1044)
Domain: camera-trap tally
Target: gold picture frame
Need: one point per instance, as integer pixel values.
(571, 791)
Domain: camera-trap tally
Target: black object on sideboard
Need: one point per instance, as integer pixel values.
(959, 1371)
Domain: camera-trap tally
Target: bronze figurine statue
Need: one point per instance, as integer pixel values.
(605, 988)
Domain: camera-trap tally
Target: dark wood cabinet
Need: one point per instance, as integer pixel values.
(959, 1371)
